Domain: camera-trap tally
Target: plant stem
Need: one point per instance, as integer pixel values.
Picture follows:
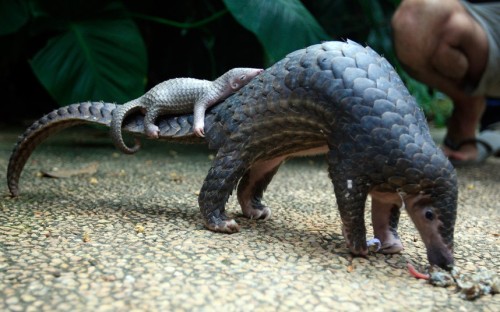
(179, 24)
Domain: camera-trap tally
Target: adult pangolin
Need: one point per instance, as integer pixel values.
(338, 98)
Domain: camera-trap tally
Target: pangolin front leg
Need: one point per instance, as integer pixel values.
(351, 194)
(385, 219)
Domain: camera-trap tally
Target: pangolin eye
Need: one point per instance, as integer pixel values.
(429, 215)
(242, 77)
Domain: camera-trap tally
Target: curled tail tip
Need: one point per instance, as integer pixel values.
(133, 149)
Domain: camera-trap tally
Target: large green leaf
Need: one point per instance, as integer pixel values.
(102, 59)
(281, 26)
(13, 15)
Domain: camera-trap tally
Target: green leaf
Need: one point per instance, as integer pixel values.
(281, 26)
(13, 15)
(102, 59)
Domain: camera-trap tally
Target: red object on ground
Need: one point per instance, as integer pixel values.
(415, 273)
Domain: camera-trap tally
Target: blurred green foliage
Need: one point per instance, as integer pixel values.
(100, 50)
(281, 26)
(95, 50)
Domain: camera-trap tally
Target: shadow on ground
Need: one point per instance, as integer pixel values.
(130, 237)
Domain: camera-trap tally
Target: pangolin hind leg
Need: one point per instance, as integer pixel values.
(152, 114)
(221, 180)
(252, 186)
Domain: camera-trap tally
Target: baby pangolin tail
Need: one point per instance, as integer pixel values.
(119, 115)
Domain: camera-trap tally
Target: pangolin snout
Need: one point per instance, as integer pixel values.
(440, 256)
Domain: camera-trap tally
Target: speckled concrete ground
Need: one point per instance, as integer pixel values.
(130, 238)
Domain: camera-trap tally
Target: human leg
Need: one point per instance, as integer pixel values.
(442, 45)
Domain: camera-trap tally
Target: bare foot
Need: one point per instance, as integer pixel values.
(462, 128)
(466, 152)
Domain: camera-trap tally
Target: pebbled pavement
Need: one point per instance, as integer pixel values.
(129, 237)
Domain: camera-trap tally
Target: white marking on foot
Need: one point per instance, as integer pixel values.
(374, 242)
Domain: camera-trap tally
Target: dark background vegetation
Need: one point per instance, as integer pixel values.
(57, 52)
